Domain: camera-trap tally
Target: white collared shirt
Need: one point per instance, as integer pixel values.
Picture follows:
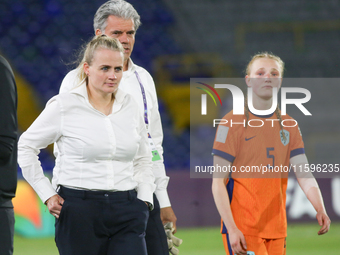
(96, 152)
(130, 85)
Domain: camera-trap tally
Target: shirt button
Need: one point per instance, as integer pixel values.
(106, 195)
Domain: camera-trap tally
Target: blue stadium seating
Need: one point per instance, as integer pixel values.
(40, 38)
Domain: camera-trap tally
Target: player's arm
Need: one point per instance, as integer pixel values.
(310, 187)
(221, 197)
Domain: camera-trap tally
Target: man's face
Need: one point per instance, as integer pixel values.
(123, 30)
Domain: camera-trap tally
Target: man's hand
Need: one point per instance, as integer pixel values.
(323, 221)
(54, 205)
(168, 215)
(238, 242)
(172, 240)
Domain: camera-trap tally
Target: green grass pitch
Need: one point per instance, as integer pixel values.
(302, 240)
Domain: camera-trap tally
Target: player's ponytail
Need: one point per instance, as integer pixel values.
(278, 114)
(246, 110)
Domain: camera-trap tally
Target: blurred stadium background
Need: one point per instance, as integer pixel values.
(179, 40)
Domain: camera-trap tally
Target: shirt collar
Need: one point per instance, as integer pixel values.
(80, 90)
(262, 116)
(131, 68)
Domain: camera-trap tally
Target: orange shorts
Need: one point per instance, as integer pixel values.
(259, 246)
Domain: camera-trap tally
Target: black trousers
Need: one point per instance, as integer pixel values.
(6, 230)
(156, 240)
(101, 223)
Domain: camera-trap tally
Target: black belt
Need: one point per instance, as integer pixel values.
(100, 194)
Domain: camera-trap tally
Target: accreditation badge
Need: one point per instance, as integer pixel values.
(154, 151)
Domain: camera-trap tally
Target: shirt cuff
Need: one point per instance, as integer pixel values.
(44, 189)
(145, 193)
(163, 198)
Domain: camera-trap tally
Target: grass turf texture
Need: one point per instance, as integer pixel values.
(302, 240)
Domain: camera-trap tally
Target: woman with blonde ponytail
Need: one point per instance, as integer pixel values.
(251, 198)
(102, 186)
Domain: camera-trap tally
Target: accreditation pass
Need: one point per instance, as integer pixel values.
(155, 154)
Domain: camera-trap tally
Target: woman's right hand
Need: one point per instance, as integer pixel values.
(54, 205)
(222, 201)
(237, 242)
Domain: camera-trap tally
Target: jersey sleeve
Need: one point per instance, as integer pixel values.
(226, 140)
(296, 142)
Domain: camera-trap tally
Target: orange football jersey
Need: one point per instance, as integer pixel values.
(260, 155)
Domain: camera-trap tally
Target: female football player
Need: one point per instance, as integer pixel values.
(252, 199)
